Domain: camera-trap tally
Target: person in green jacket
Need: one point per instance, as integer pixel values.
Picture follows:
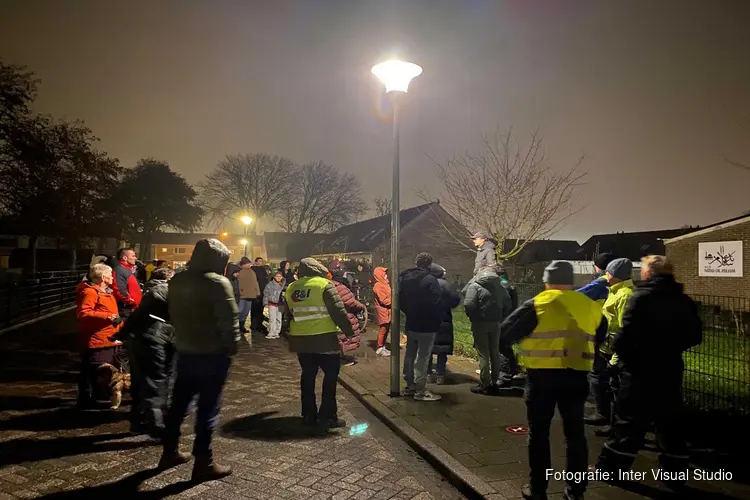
(620, 278)
(487, 304)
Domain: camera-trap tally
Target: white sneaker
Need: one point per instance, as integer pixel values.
(427, 396)
(382, 351)
(273, 336)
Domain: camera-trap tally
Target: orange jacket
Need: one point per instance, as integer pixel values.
(95, 310)
(382, 292)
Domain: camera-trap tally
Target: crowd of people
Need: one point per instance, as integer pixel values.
(619, 341)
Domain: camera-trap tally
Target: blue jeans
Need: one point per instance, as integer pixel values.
(417, 358)
(203, 375)
(244, 305)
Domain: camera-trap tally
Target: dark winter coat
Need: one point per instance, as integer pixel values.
(201, 303)
(444, 339)
(485, 298)
(421, 300)
(659, 323)
(150, 322)
(353, 306)
(288, 275)
(263, 278)
(485, 256)
(232, 269)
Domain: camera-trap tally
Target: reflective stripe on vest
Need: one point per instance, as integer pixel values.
(309, 312)
(565, 332)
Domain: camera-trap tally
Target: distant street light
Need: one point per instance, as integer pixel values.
(246, 221)
(396, 76)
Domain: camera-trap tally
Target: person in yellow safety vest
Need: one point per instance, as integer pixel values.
(317, 316)
(150, 269)
(604, 378)
(559, 331)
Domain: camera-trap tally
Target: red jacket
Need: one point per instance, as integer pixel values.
(125, 286)
(95, 310)
(353, 306)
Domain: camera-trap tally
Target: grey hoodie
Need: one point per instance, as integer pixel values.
(485, 256)
(201, 303)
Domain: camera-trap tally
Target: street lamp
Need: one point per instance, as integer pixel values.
(246, 221)
(396, 76)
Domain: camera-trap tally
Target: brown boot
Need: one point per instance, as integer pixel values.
(173, 458)
(205, 469)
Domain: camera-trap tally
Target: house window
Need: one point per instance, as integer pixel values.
(163, 250)
(180, 250)
(273, 246)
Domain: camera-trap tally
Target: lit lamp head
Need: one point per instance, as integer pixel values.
(246, 220)
(243, 242)
(396, 75)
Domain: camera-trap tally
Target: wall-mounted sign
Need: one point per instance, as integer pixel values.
(720, 258)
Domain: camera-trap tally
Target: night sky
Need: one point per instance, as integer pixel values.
(653, 93)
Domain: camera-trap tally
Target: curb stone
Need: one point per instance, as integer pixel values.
(459, 476)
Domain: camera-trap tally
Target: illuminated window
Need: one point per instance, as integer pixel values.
(164, 250)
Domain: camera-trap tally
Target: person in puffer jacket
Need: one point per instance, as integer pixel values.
(272, 299)
(150, 338)
(352, 305)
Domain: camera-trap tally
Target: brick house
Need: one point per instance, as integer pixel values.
(425, 228)
(684, 253)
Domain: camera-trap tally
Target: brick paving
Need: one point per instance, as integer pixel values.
(472, 429)
(48, 450)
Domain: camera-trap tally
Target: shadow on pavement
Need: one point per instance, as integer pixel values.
(259, 426)
(17, 374)
(21, 403)
(31, 450)
(63, 419)
(126, 487)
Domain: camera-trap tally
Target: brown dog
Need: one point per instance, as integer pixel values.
(112, 381)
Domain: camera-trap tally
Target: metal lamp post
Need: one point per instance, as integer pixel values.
(396, 76)
(246, 221)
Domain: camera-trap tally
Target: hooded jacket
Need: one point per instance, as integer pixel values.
(444, 339)
(485, 298)
(272, 292)
(248, 282)
(150, 321)
(327, 343)
(486, 256)
(659, 323)
(201, 303)
(95, 310)
(421, 300)
(353, 306)
(382, 292)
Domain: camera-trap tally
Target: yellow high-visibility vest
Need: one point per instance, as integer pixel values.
(613, 309)
(565, 332)
(309, 313)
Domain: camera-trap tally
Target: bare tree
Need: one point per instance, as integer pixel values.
(509, 190)
(256, 184)
(323, 199)
(382, 206)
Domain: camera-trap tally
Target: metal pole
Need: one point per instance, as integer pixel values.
(246, 242)
(395, 388)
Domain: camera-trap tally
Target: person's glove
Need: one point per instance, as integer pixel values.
(116, 320)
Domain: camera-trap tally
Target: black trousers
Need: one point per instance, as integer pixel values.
(567, 390)
(600, 379)
(256, 315)
(310, 364)
(641, 402)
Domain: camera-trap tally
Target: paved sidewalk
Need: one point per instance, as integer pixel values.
(48, 450)
(472, 430)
